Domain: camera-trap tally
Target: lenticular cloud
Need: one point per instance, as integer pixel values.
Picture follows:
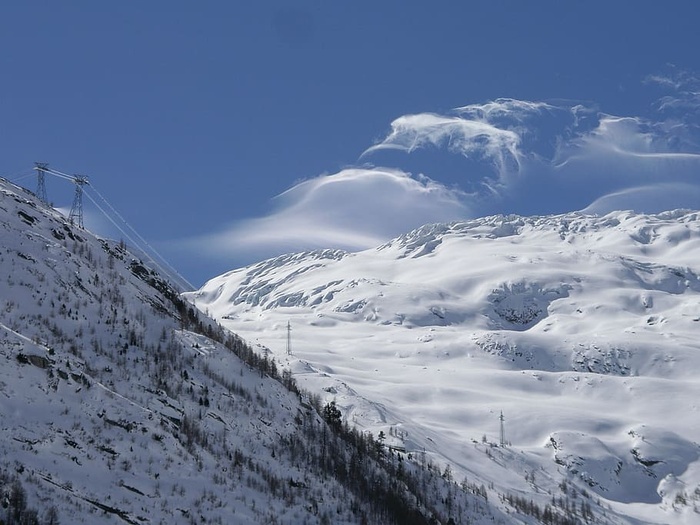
(503, 156)
(648, 199)
(353, 209)
(550, 158)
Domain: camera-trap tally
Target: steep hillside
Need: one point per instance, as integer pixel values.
(581, 330)
(119, 402)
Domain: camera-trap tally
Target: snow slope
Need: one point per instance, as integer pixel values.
(120, 403)
(582, 330)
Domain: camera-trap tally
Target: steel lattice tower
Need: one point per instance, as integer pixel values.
(41, 168)
(76, 211)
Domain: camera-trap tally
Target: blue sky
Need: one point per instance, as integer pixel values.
(225, 132)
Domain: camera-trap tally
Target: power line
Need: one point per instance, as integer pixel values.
(60, 174)
(126, 235)
(144, 241)
(18, 176)
(76, 214)
(21, 177)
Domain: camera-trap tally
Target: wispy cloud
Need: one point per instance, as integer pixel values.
(679, 106)
(624, 137)
(493, 132)
(547, 157)
(648, 199)
(514, 156)
(626, 153)
(354, 209)
(679, 84)
(471, 138)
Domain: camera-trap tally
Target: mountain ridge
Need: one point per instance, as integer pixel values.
(580, 328)
(120, 401)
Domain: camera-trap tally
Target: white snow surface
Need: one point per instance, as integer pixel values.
(582, 330)
(112, 411)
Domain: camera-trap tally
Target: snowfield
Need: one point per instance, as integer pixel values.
(582, 330)
(119, 402)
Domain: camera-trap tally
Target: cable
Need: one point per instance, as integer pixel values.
(144, 241)
(145, 247)
(18, 177)
(60, 174)
(132, 241)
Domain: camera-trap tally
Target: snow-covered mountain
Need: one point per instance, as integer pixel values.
(119, 402)
(583, 331)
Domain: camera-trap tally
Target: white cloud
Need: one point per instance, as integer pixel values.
(678, 81)
(471, 138)
(547, 158)
(626, 152)
(630, 136)
(648, 199)
(353, 209)
(517, 156)
(504, 108)
(492, 132)
(679, 107)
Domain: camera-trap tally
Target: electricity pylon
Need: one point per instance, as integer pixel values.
(76, 211)
(41, 168)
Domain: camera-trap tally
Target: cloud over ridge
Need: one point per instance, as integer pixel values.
(353, 209)
(528, 157)
(552, 157)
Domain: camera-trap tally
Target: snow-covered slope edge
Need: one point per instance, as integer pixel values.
(581, 329)
(119, 402)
